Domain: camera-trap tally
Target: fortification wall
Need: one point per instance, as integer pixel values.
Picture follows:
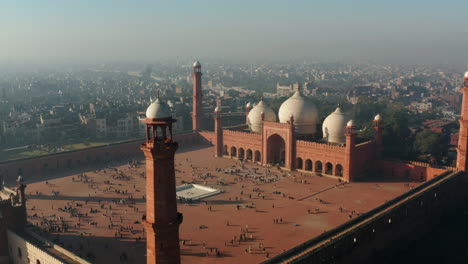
(208, 136)
(49, 164)
(242, 140)
(415, 171)
(369, 237)
(23, 252)
(364, 159)
(334, 154)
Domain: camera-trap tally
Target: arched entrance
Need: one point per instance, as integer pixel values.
(276, 150)
(258, 156)
(329, 168)
(339, 170)
(318, 166)
(233, 152)
(299, 164)
(241, 153)
(308, 165)
(249, 154)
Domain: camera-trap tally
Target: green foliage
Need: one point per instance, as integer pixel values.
(430, 142)
(365, 110)
(397, 138)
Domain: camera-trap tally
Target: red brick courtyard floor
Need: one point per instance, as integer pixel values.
(305, 209)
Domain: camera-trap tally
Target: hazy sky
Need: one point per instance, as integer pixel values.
(409, 31)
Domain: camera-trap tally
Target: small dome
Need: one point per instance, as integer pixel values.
(196, 64)
(254, 119)
(377, 117)
(158, 109)
(248, 105)
(466, 74)
(217, 109)
(334, 127)
(304, 111)
(170, 103)
(350, 123)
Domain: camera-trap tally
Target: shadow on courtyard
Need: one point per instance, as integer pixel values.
(79, 198)
(62, 173)
(103, 250)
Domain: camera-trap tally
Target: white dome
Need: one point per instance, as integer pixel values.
(170, 104)
(248, 105)
(217, 109)
(377, 117)
(350, 123)
(196, 64)
(334, 127)
(158, 109)
(466, 74)
(254, 119)
(304, 112)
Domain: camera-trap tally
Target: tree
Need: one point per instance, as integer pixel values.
(397, 136)
(430, 142)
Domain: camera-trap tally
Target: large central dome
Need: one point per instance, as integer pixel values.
(303, 110)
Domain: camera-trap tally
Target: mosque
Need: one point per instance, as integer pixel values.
(288, 139)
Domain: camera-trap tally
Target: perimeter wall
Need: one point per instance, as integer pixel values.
(368, 238)
(69, 160)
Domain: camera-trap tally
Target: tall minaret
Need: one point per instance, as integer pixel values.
(218, 129)
(348, 173)
(162, 220)
(463, 133)
(197, 97)
(378, 136)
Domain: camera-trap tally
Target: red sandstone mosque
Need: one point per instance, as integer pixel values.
(289, 138)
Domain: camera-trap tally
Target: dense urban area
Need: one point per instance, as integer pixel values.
(51, 109)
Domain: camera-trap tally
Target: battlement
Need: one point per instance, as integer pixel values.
(276, 124)
(310, 144)
(241, 134)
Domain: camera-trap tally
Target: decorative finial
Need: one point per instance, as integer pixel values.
(298, 88)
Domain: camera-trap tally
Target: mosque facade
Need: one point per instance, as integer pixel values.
(287, 138)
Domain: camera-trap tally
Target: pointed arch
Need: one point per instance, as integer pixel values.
(249, 155)
(233, 151)
(308, 165)
(318, 166)
(339, 170)
(299, 163)
(329, 168)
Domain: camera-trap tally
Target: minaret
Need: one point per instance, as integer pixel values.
(378, 136)
(348, 173)
(162, 220)
(463, 133)
(218, 130)
(197, 97)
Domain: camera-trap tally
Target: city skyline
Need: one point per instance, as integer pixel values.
(109, 31)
